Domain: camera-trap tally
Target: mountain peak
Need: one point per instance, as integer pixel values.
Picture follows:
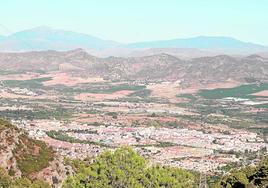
(38, 29)
(77, 51)
(46, 38)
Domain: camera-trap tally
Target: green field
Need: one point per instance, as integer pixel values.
(189, 96)
(141, 93)
(34, 83)
(104, 89)
(243, 91)
(8, 72)
(261, 106)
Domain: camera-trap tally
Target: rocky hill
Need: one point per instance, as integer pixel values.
(157, 67)
(22, 156)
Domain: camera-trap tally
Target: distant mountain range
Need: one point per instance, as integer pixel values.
(45, 38)
(203, 42)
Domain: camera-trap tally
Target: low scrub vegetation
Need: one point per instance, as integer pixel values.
(6, 181)
(32, 155)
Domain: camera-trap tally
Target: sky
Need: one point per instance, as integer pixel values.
(141, 20)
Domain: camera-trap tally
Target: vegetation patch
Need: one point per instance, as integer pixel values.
(59, 135)
(8, 72)
(8, 181)
(126, 168)
(250, 176)
(33, 83)
(100, 89)
(243, 91)
(57, 113)
(32, 155)
(5, 125)
(261, 105)
(188, 96)
(141, 93)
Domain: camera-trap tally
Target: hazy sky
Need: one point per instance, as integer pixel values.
(141, 20)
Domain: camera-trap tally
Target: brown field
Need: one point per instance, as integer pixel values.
(261, 93)
(228, 84)
(68, 80)
(167, 90)
(195, 88)
(102, 96)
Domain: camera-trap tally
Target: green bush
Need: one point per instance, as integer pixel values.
(125, 168)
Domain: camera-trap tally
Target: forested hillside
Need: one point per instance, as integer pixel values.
(26, 162)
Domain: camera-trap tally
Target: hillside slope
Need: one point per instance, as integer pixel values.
(160, 67)
(22, 156)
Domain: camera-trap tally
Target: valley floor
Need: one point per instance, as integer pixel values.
(201, 128)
